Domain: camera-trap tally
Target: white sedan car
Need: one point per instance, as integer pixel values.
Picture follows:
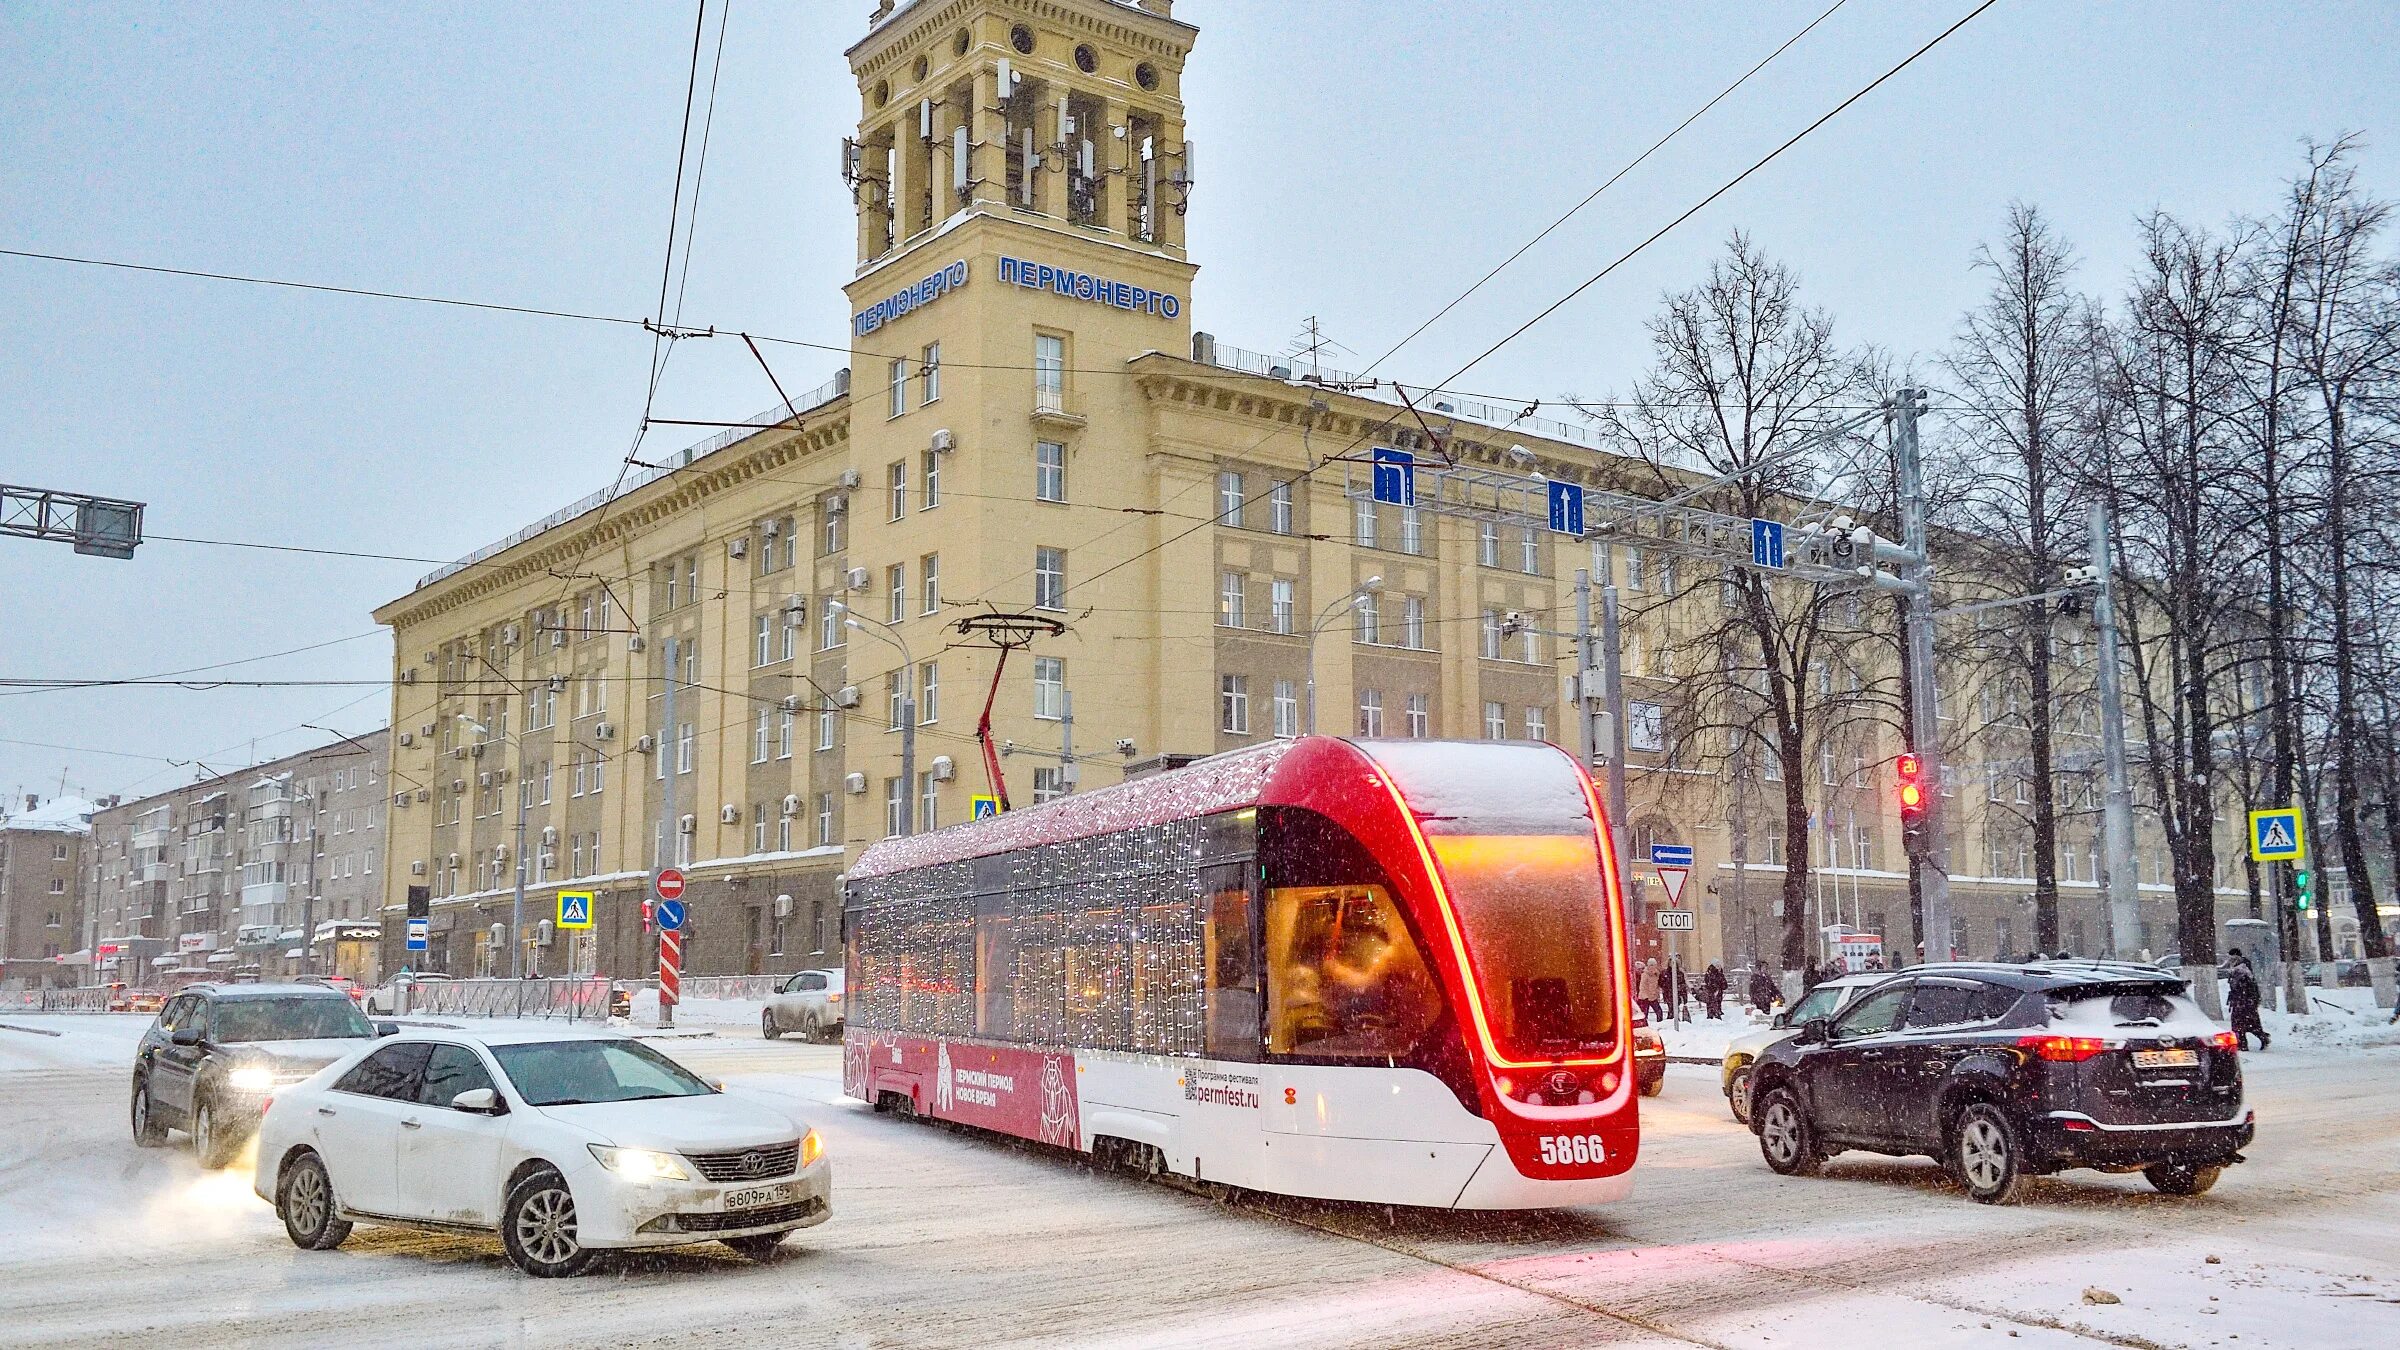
(565, 1146)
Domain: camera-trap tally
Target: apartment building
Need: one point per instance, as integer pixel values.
(42, 849)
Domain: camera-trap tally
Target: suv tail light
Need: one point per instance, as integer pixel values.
(2227, 1041)
(2062, 1049)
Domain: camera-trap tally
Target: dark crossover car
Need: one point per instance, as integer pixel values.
(2002, 1072)
(216, 1051)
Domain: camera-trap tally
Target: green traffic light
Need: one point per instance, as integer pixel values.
(2300, 884)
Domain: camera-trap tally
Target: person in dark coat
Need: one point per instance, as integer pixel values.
(2241, 999)
(1680, 995)
(1762, 989)
(1712, 991)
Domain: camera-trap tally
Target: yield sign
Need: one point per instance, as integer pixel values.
(1673, 878)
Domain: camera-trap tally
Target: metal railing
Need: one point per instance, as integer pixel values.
(93, 999)
(633, 482)
(580, 998)
(730, 986)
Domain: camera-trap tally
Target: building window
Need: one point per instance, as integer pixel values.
(1233, 607)
(791, 635)
(1633, 569)
(929, 693)
(1281, 607)
(1420, 716)
(825, 724)
(896, 484)
(783, 844)
(929, 569)
(1049, 578)
(1229, 497)
(1370, 712)
(1533, 647)
(1495, 720)
(1487, 544)
(1370, 619)
(1495, 633)
(1530, 552)
(933, 481)
(824, 819)
(895, 691)
(1287, 710)
(892, 799)
(1049, 373)
(1049, 471)
(758, 828)
(785, 733)
(1537, 724)
(1046, 787)
(685, 745)
(1279, 508)
(833, 531)
(761, 735)
(895, 580)
(829, 625)
(899, 400)
(763, 651)
(1412, 530)
(929, 374)
(1366, 523)
(1233, 704)
(1412, 619)
(1049, 687)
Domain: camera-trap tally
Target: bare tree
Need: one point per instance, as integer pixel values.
(1743, 381)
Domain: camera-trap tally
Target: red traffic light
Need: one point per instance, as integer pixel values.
(1909, 766)
(1912, 790)
(1912, 797)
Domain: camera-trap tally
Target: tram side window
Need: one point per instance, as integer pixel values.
(1233, 1003)
(1345, 978)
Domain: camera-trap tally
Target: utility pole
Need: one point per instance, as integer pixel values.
(1612, 690)
(671, 837)
(1069, 773)
(2116, 814)
(1930, 843)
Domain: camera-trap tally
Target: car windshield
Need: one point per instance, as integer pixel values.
(1819, 1003)
(572, 1073)
(298, 1018)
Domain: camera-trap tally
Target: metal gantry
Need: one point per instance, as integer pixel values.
(104, 527)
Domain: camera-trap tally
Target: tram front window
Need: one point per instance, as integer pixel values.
(1344, 978)
(1536, 923)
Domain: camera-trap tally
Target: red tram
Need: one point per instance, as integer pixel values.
(1384, 971)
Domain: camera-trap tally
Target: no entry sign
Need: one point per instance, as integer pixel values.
(669, 884)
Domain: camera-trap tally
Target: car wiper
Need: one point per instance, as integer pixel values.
(2144, 1022)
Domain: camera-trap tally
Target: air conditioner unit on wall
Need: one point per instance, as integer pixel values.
(850, 478)
(458, 785)
(791, 703)
(690, 823)
(944, 442)
(408, 738)
(604, 731)
(730, 814)
(417, 868)
(836, 504)
(645, 744)
(770, 528)
(846, 696)
(408, 675)
(791, 804)
(549, 836)
(558, 682)
(508, 636)
(944, 769)
(483, 780)
(425, 730)
(856, 578)
(476, 750)
(854, 783)
(796, 606)
(738, 547)
(424, 794)
(634, 643)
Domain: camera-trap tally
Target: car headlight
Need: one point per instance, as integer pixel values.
(811, 1149)
(641, 1164)
(252, 1078)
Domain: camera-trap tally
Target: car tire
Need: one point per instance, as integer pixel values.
(767, 1027)
(304, 1201)
(812, 1029)
(538, 1229)
(213, 1140)
(758, 1246)
(1987, 1155)
(1737, 1094)
(1651, 1084)
(2184, 1178)
(1786, 1139)
(147, 1132)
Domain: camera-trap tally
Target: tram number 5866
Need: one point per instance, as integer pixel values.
(1561, 1149)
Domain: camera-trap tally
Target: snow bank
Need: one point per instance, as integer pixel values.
(700, 1012)
(2341, 1019)
(70, 1040)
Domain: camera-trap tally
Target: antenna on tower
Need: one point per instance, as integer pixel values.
(1311, 345)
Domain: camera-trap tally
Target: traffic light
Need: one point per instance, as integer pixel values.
(1911, 772)
(2300, 881)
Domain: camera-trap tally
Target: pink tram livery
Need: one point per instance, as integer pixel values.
(1381, 971)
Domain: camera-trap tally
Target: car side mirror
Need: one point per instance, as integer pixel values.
(1782, 1018)
(1816, 1031)
(185, 1035)
(383, 1028)
(480, 1102)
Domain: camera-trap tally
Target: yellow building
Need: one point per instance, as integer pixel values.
(1028, 423)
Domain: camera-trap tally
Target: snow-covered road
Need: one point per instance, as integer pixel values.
(946, 1239)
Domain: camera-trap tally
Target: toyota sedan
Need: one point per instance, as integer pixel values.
(565, 1147)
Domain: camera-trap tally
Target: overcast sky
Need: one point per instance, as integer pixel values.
(1359, 162)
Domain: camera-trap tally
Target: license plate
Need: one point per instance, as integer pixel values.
(757, 1196)
(2165, 1059)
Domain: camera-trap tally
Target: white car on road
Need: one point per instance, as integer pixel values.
(1826, 999)
(565, 1146)
(809, 1003)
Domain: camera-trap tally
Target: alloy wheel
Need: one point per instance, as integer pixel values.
(204, 1132)
(546, 1226)
(308, 1199)
(1781, 1130)
(1983, 1154)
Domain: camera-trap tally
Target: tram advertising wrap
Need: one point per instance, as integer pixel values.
(1382, 971)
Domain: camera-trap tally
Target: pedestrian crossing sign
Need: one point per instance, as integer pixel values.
(982, 807)
(574, 909)
(2277, 835)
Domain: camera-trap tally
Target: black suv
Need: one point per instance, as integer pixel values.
(216, 1051)
(2002, 1072)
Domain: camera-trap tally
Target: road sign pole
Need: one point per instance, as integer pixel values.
(1933, 846)
(671, 835)
(1612, 678)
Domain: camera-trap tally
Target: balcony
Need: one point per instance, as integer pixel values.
(1052, 409)
(152, 839)
(265, 895)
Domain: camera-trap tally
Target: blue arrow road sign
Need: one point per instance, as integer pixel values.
(1566, 508)
(420, 934)
(1395, 476)
(670, 914)
(1670, 855)
(1766, 542)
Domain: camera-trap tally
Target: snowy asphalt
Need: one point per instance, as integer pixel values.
(944, 1239)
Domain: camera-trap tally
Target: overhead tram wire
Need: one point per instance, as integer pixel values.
(1596, 278)
(1594, 195)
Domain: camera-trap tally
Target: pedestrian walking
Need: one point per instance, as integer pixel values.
(1762, 989)
(1712, 991)
(1645, 991)
(2241, 999)
(1678, 990)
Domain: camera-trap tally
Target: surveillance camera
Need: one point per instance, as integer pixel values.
(1125, 746)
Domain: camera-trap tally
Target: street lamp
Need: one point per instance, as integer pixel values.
(851, 618)
(1358, 597)
(516, 922)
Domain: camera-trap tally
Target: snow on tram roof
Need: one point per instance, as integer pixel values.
(1224, 782)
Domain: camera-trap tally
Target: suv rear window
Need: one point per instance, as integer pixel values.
(2153, 1010)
